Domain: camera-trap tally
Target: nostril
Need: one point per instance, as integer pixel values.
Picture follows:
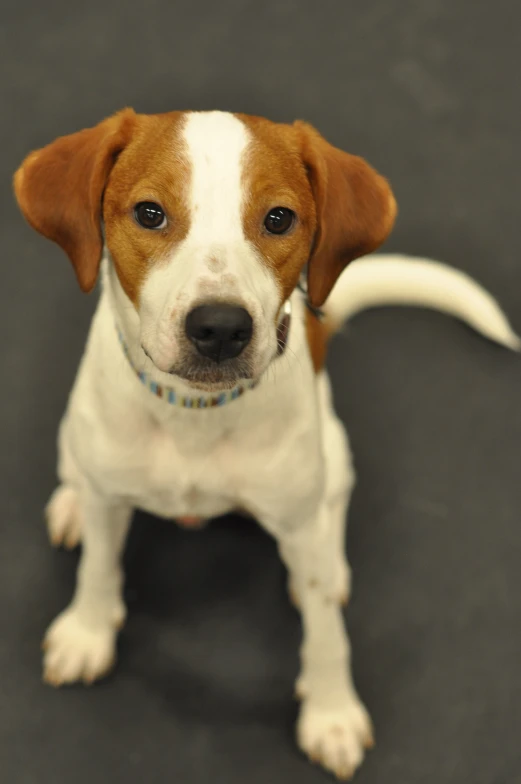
(219, 331)
(241, 335)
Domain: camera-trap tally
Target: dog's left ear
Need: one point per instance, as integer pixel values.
(59, 189)
(356, 210)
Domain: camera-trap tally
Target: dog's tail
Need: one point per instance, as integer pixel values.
(388, 279)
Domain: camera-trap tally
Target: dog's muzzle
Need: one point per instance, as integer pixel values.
(283, 327)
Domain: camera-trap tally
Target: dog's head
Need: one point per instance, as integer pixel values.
(209, 219)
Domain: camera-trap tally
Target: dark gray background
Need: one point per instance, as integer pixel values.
(428, 90)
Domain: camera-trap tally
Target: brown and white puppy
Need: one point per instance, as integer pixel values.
(201, 389)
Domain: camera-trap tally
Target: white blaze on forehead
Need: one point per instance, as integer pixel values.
(215, 144)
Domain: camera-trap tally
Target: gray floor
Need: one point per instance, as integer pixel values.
(428, 90)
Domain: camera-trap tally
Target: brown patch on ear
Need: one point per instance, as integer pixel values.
(59, 190)
(318, 334)
(356, 210)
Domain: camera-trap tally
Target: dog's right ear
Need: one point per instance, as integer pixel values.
(59, 190)
(355, 205)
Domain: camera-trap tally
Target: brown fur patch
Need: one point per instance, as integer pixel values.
(123, 160)
(355, 207)
(153, 167)
(215, 264)
(59, 190)
(318, 334)
(275, 176)
(344, 208)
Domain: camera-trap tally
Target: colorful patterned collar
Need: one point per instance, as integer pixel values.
(169, 394)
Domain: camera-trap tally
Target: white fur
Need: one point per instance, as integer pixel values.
(279, 451)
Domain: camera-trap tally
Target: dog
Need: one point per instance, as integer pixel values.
(222, 241)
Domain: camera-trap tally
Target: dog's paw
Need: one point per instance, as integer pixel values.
(336, 739)
(63, 518)
(75, 652)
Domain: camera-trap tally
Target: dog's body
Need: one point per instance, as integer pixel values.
(276, 451)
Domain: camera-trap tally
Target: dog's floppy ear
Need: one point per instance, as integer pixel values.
(355, 210)
(60, 188)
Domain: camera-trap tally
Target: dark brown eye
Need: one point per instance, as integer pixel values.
(150, 215)
(279, 220)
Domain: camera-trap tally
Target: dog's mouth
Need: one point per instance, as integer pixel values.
(213, 377)
(202, 375)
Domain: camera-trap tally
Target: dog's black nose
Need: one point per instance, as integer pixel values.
(219, 332)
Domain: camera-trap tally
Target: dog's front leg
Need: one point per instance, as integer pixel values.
(334, 727)
(81, 643)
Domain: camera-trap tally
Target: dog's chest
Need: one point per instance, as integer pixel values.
(177, 471)
(260, 454)
(177, 478)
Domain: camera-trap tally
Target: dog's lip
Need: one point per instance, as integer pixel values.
(148, 355)
(220, 384)
(202, 382)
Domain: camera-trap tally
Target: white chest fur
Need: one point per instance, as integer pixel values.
(175, 462)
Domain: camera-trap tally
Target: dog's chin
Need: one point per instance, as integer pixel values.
(206, 376)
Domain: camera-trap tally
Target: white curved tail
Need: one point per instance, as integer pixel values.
(394, 279)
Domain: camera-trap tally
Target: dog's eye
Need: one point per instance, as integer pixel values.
(150, 215)
(279, 220)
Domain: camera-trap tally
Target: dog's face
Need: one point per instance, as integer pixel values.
(209, 219)
(208, 239)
